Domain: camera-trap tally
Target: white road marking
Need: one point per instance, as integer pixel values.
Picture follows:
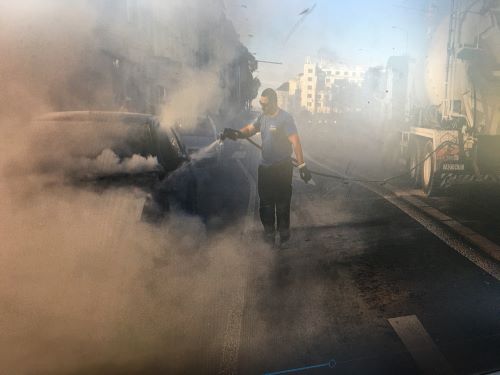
(407, 205)
(138, 207)
(489, 247)
(420, 345)
(232, 333)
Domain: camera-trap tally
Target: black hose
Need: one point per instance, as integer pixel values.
(350, 179)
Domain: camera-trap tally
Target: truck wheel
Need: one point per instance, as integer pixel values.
(413, 166)
(430, 180)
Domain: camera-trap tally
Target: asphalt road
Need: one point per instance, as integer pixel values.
(360, 282)
(356, 261)
(355, 264)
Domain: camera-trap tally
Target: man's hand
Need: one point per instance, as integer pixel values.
(304, 173)
(232, 134)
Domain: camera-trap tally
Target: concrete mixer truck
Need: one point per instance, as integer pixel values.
(454, 138)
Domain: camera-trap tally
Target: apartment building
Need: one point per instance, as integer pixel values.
(142, 51)
(316, 87)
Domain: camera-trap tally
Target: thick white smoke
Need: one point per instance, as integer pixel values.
(83, 282)
(108, 163)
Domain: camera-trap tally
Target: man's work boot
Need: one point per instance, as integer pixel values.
(269, 238)
(284, 237)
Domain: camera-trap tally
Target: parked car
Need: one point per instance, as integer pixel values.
(88, 135)
(110, 148)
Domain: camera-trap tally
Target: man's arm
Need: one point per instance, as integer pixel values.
(299, 155)
(248, 130)
(297, 148)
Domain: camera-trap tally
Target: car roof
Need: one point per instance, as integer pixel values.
(198, 118)
(99, 116)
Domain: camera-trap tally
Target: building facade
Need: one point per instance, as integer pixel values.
(382, 93)
(318, 87)
(141, 51)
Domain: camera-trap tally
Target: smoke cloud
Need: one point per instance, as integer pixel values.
(85, 283)
(189, 102)
(86, 286)
(109, 163)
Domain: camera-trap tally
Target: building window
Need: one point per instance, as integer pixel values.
(346, 73)
(309, 70)
(309, 96)
(354, 74)
(309, 87)
(337, 73)
(161, 93)
(309, 79)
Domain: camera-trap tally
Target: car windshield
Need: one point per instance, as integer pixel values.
(197, 127)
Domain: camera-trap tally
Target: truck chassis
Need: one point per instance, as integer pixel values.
(437, 159)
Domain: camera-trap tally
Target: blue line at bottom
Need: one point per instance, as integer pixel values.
(330, 364)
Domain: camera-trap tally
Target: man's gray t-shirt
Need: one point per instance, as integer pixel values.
(274, 132)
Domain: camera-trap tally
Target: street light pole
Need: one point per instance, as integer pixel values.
(269, 62)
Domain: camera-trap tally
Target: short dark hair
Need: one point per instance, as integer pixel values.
(271, 95)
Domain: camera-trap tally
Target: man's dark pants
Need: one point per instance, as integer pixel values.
(275, 193)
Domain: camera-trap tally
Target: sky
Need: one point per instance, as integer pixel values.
(364, 32)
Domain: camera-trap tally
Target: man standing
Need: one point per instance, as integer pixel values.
(279, 136)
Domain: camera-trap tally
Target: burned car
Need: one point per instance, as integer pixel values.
(109, 149)
(94, 144)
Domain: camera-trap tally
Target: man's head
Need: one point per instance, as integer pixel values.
(269, 101)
